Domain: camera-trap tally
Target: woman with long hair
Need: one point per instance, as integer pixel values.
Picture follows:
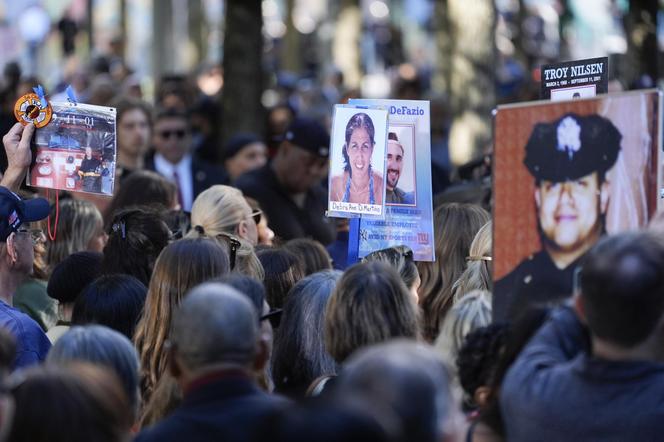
(180, 266)
(455, 226)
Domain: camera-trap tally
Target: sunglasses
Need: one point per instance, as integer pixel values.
(166, 134)
(274, 316)
(257, 216)
(233, 245)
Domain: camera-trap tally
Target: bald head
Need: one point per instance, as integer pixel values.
(215, 324)
(409, 381)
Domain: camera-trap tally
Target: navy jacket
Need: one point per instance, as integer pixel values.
(555, 391)
(32, 345)
(225, 407)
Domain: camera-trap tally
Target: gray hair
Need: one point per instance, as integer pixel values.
(100, 345)
(215, 324)
(407, 385)
(470, 313)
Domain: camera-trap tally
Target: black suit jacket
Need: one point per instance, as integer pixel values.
(203, 173)
(229, 409)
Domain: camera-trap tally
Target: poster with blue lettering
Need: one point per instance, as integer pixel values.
(357, 162)
(408, 202)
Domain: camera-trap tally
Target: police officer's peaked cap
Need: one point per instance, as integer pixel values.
(572, 147)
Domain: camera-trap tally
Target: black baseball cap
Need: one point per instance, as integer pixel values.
(571, 147)
(310, 135)
(15, 211)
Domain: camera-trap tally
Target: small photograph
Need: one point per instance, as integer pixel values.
(357, 162)
(76, 151)
(400, 166)
(571, 93)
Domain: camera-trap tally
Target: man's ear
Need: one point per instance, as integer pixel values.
(579, 308)
(262, 353)
(12, 253)
(538, 200)
(604, 191)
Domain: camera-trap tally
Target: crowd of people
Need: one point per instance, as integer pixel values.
(212, 299)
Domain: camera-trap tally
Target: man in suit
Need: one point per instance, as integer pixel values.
(215, 346)
(174, 159)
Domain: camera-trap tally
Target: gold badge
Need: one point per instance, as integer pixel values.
(28, 109)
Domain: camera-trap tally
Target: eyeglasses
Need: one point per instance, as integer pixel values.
(274, 316)
(166, 134)
(233, 245)
(257, 216)
(36, 235)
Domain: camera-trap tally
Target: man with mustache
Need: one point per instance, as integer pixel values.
(569, 159)
(395, 153)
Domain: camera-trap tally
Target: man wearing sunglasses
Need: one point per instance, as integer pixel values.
(16, 248)
(173, 158)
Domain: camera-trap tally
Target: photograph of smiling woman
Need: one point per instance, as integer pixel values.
(361, 182)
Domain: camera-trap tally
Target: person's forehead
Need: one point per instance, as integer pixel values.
(592, 177)
(359, 132)
(133, 114)
(394, 148)
(171, 122)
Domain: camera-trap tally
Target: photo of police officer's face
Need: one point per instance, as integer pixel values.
(569, 212)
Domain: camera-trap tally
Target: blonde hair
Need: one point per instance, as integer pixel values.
(78, 222)
(477, 275)
(471, 312)
(220, 209)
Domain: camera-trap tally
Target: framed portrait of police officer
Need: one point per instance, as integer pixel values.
(566, 173)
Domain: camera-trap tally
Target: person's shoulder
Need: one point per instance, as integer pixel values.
(254, 179)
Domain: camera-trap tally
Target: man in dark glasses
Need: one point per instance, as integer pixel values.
(174, 159)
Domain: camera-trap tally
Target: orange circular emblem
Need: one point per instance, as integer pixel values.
(28, 110)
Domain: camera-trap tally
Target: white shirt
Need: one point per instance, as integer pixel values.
(183, 169)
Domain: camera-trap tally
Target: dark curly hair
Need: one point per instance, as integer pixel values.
(478, 357)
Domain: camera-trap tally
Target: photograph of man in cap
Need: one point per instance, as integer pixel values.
(395, 161)
(568, 159)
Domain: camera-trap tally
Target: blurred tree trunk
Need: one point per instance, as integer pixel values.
(291, 54)
(465, 36)
(198, 29)
(346, 44)
(163, 44)
(641, 31)
(242, 110)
